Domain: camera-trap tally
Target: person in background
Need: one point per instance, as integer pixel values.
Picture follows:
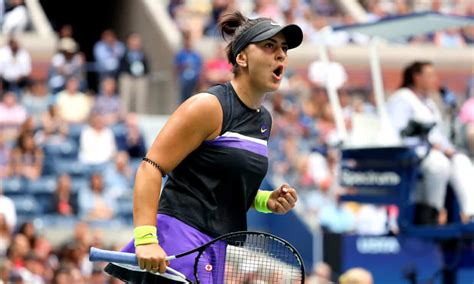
(66, 63)
(5, 235)
(188, 67)
(108, 103)
(73, 105)
(95, 202)
(444, 163)
(4, 157)
(118, 176)
(466, 117)
(15, 66)
(12, 116)
(16, 19)
(55, 129)
(356, 276)
(37, 100)
(133, 78)
(63, 201)
(217, 70)
(8, 209)
(97, 142)
(27, 158)
(107, 54)
(133, 142)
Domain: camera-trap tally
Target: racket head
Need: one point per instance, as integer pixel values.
(249, 257)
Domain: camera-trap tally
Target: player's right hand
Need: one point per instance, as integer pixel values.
(151, 257)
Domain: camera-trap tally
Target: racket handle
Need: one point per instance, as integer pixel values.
(96, 254)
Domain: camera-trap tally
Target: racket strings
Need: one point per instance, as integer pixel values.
(256, 259)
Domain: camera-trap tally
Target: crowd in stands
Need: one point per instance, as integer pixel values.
(69, 154)
(312, 16)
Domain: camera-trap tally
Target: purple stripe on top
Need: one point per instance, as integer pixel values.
(235, 142)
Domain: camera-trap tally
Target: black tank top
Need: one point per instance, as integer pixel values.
(215, 185)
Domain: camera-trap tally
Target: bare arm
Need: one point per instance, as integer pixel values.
(196, 120)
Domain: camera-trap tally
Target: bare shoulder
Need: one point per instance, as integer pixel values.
(201, 112)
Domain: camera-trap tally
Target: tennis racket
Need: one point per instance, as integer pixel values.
(238, 257)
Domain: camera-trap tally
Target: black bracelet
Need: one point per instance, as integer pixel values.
(154, 164)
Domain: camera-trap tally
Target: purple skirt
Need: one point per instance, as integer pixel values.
(177, 237)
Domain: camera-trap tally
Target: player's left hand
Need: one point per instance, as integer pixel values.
(282, 199)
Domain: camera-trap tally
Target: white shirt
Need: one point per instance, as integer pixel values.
(14, 66)
(96, 147)
(319, 72)
(16, 21)
(7, 208)
(404, 105)
(74, 107)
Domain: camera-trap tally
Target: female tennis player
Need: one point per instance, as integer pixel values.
(214, 150)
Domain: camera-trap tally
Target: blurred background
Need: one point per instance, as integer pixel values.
(87, 85)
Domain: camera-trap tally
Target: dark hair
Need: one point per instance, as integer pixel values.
(232, 25)
(411, 70)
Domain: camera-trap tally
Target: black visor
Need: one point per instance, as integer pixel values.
(265, 30)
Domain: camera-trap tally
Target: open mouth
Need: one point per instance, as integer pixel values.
(278, 71)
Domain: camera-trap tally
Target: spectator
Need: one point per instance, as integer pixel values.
(118, 176)
(188, 66)
(18, 250)
(95, 203)
(468, 35)
(12, 116)
(321, 274)
(7, 209)
(134, 72)
(63, 201)
(320, 72)
(27, 158)
(466, 117)
(34, 269)
(28, 229)
(451, 38)
(133, 142)
(5, 236)
(217, 9)
(15, 66)
(108, 103)
(4, 158)
(443, 164)
(97, 142)
(66, 31)
(336, 217)
(66, 63)
(356, 276)
(37, 100)
(217, 70)
(107, 54)
(5, 271)
(74, 106)
(16, 18)
(55, 129)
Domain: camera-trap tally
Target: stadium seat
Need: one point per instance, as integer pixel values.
(72, 167)
(13, 186)
(26, 205)
(45, 184)
(66, 149)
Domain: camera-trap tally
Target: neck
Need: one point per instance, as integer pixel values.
(249, 95)
(419, 92)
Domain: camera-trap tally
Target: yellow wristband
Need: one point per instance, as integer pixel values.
(145, 235)
(261, 201)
